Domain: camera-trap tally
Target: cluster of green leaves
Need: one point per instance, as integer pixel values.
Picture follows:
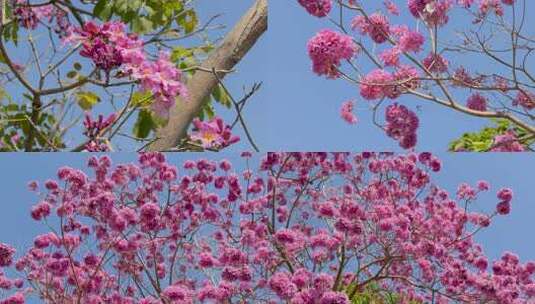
(146, 121)
(483, 140)
(15, 123)
(148, 15)
(11, 29)
(373, 294)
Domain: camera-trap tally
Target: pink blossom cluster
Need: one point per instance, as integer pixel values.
(346, 112)
(376, 26)
(487, 6)
(17, 298)
(463, 78)
(110, 47)
(6, 255)
(507, 142)
(318, 8)
(408, 40)
(401, 125)
(377, 84)
(398, 69)
(163, 79)
(94, 131)
(391, 7)
(380, 83)
(505, 196)
(152, 233)
(213, 134)
(525, 99)
(434, 12)
(477, 102)
(327, 49)
(436, 63)
(29, 16)
(6, 260)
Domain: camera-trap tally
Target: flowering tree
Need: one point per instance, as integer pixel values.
(62, 62)
(296, 228)
(472, 56)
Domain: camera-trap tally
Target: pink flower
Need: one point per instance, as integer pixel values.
(178, 294)
(465, 3)
(94, 129)
(163, 80)
(110, 47)
(483, 186)
(391, 7)
(282, 285)
(376, 26)
(206, 260)
(17, 298)
(390, 57)
(463, 78)
(525, 100)
(505, 194)
(29, 17)
(6, 255)
(477, 102)
(318, 8)
(406, 78)
(376, 85)
(327, 49)
(346, 112)
(487, 6)
(503, 208)
(41, 211)
(213, 134)
(434, 12)
(507, 142)
(435, 63)
(332, 297)
(410, 41)
(401, 125)
(105, 44)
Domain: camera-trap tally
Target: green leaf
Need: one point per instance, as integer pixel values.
(11, 32)
(103, 9)
(144, 125)
(87, 100)
(483, 140)
(99, 7)
(72, 74)
(207, 101)
(221, 96)
(180, 53)
(188, 21)
(142, 25)
(141, 99)
(209, 110)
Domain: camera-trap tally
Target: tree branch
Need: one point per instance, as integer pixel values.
(234, 47)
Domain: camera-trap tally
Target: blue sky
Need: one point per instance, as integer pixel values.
(511, 232)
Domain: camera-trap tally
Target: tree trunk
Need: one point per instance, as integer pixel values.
(234, 47)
